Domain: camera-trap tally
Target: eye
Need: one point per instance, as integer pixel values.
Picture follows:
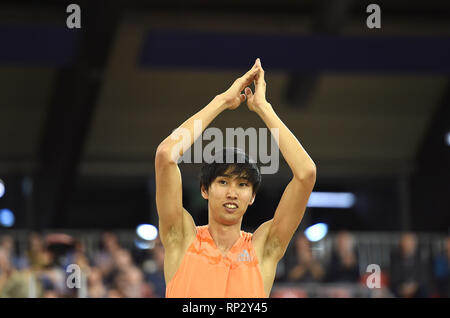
(222, 181)
(243, 184)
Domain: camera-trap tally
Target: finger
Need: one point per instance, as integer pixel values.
(260, 82)
(251, 72)
(250, 75)
(242, 97)
(248, 92)
(247, 78)
(259, 65)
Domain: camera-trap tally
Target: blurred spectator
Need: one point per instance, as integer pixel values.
(36, 253)
(7, 244)
(104, 258)
(307, 269)
(15, 283)
(408, 274)
(6, 269)
(77, 255)
(52, 277)
(129, 283)
(343, 266)
(442, 271)
(59, 249)
(96, 288)
(128, 279)
(154, 269)
(122, 259)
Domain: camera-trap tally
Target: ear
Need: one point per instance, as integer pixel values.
(252, 199)
(204, 193)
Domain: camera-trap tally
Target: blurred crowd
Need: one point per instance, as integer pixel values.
(111, 271)
(409, 274)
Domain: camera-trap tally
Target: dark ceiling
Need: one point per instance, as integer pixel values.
(97, 101)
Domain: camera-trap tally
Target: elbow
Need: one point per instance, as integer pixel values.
(307, 175)
(163, 155)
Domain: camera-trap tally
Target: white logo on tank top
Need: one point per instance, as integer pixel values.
(244, 257)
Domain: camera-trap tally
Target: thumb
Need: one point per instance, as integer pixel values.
(248, 92)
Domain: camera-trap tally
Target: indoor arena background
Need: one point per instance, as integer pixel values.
(82, 111)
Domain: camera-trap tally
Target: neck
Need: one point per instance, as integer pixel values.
(224, 236)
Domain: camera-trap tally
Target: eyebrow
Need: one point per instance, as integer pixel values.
(233, 175)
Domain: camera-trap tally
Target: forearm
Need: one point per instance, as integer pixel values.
(185, 135)
(302, 166)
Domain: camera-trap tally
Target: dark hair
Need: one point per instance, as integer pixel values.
(232, 161)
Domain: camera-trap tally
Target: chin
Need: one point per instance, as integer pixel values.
(230, 219)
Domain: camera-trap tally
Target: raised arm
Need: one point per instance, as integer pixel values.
(276, 233)
(174, 221)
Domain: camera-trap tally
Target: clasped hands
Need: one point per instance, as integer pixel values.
(233, 97)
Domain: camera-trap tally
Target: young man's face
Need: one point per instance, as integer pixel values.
(228, 198)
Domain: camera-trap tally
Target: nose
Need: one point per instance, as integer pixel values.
(231, 193)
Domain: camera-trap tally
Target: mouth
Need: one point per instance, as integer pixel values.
(230, 207)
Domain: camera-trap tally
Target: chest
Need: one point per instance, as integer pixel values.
(231, 275)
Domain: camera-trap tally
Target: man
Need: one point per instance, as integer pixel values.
(409, 274)
(220, 260)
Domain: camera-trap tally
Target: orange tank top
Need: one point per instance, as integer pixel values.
(205, 273)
